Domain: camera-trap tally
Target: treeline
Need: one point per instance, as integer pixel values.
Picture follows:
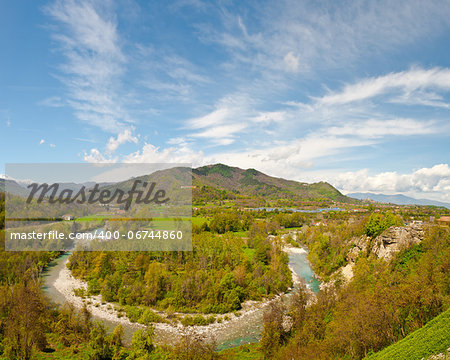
(18, 207)
(216, 277)
(23, 310)
(384, 302)
(224, 221)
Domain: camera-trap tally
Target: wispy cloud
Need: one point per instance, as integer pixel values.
(236, 93)
(174, 154)
(375, 128)
(231, 115)
(168, 75)
(53, 101)
(220, 132)
(301, 37)
(88, 38)
(85, 140)
(214, 118)
(411, 84)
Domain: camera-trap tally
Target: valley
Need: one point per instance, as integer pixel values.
(278, 269)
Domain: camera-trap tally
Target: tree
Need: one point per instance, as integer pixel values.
(297, 308)
(116, 342)
(377, 223)
(99, 346)
(273, 334)
(26, 325)
(193, 347)
(142, 344)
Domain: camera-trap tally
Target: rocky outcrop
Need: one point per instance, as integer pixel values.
(439, 356)
(384, 246)
(396, 239)
(359, 244)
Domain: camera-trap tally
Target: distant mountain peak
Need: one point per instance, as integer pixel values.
(255, 183)
(398, 199)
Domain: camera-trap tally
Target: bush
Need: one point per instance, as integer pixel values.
(377, 223)
(198, 320)
(149, 316)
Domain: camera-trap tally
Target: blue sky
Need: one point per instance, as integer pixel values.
(353, 93)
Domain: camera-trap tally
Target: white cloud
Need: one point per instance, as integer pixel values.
(285, 159)
(338, 115)
(270, 116)
(177, 141)
(292, 62)
(215, 117)
(85, 140)
(167, 75)
(95, 156)
(425, 180)
(289, 159)
(296, 159)
(52, 145)
(325, 35)
(122, 138)
(376, 128)
(88, 38)
(409, 82)
(53, 101)
(221, 131)
(178, 154)
(231, 115)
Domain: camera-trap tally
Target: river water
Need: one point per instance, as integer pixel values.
(235, 333)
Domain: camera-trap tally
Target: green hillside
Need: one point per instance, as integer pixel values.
(252, 182)
(433, 338)
(220, 181)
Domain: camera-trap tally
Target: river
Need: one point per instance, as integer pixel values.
(241, 330)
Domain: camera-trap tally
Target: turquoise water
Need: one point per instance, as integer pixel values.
(299, 210)
(241, 332)
(250, 331)
(299, 263)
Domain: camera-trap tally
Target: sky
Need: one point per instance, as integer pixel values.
(353, 93)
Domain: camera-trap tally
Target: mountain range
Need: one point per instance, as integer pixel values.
(398, 199)
(220, 180)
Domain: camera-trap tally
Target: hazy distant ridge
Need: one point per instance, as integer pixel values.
(398, 199)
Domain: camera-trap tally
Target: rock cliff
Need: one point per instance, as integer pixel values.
(383, 246)
(396, 239)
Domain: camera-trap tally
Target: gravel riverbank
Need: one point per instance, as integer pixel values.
(246, 324)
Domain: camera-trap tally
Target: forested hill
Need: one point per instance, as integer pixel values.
(254, 183)
(215, 181)
(222, 178)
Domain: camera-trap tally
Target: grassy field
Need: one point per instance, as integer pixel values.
(433, 338)
(93, 217)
